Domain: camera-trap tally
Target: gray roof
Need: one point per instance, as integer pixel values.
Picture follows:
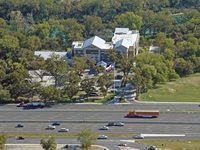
(48, 54)
(95, 41)
(122, 42)
(121, 30)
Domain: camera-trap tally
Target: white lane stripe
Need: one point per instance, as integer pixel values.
(162, 135)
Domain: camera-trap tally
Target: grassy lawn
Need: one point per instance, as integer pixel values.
(173, 144)
(182, 90)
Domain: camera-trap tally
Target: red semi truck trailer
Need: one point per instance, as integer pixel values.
(143, 114)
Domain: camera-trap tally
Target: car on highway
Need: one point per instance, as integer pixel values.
(20, 138)
(104, 128)
(152, 148)
(56, 123)
(19, 126)
(72, 146)
(122, 144)
(21, 104)
(34, 105)
(118, 124)
(101, 137)
(139, 137)
(51, 127)
(63, 130)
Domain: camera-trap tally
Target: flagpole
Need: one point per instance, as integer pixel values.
(114, 79)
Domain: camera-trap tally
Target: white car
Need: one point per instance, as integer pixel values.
(139, 137)
(119, 124)
(63, 130)
(104, 128)
(51, 127)
(102, 137)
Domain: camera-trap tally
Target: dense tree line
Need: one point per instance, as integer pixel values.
(30, 25)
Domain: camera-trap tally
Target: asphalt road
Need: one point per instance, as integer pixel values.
(79, 117)
(110, 143)
(125, 107)
(192, 131)
(96, 117)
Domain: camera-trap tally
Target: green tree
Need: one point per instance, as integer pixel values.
(3, 140)
(58, 68)
(93, 25)
(87, 85)
(17, 20)
(9, 43)
(50, 93)
(129, 20)
(104, 82)
(183, 67)
(79, 65)
(139, 82)
(87, 138)
(33, 43)
(49, 144)
(71, 87)
(125, 64)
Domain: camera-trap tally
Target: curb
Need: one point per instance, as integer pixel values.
(178, 103)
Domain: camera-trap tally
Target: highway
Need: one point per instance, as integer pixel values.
(125, 107)
(79, 117)
(96, 117)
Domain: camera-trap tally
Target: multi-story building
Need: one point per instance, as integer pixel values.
(124, 41)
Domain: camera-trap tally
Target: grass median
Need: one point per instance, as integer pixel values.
(182, 90)
(63, 135)
(173, 144)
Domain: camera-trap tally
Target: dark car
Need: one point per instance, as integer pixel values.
(20, 104)
(56, 123)
(111, 124)
(93, 94)
(34, 105)
(122, 144)
(20, 138)
(19, 126)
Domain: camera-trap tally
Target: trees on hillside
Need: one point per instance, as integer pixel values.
(129, 20)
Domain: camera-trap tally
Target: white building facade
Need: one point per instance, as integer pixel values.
(123, 41)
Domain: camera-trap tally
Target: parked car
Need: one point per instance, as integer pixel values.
(93, 94)
(56, 123)
(104, 128)
(122, 144)
(19, 126)
(139, 137)
(63, 130)
(51, 127)
(102, 137)
(20, 138)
